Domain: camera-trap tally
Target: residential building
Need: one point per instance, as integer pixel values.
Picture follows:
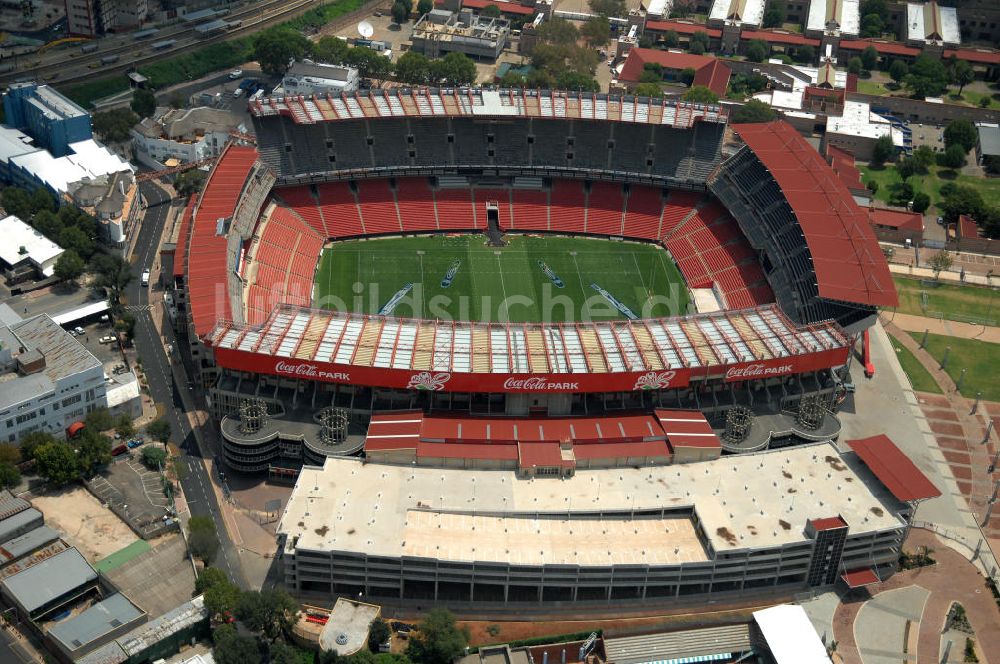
(317, 78)
(82, 18)
(440, 32)
(49, 379)
(25, 254)
(47, 116)
(185, 135)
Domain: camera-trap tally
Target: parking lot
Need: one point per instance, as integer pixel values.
(929, 135)
(128, 482)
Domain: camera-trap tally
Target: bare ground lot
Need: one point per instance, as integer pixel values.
(87, 525)
(159, 579)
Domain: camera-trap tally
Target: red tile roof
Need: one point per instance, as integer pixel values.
(884, 48)
(504, 7)
(180, 253)
(394, 431)
(896, 219)
(856, 578)
(532, 455)
(206, 278)
(967, 228)
(652, 448)
(974, 55)
(682, 28)
(708, 71)
(829, 523)
(466, 451)
(771, 37)
(893, 468)
(687, 428)
(849, 264)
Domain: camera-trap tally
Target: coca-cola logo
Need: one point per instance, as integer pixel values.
(309, 371)
(537, 384)
(757, 371)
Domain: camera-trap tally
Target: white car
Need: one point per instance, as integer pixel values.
(235, 74)
(79, 331)
(145, 278)
(108, 339)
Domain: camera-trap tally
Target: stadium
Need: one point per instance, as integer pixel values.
(420, 304)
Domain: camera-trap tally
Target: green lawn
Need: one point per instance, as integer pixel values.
(972, 98)
(920, 379)
(954, 302)
(989, 188)
(982, 360)
(872, 88)
(122, 556)
(506, 284)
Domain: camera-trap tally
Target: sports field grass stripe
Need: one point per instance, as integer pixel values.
(122, 556)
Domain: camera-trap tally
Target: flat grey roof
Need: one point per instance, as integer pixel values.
(10, 525)
(140, 638)
(989, 139)
(24, 544)
(50, 579)
(95, 622)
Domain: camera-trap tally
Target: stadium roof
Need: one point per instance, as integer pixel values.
(790, 636)
(741, 502)
(459, 356)
(50, 579)
(180, 252)
(893, 468)
(687, 428)
(848, 262)
(207, 277)
(475, 102)
(708, 71)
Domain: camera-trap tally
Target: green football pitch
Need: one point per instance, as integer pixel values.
(532, 279)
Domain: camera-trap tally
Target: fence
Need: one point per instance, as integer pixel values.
(977, 550)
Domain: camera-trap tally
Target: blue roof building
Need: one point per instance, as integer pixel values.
(47, 116)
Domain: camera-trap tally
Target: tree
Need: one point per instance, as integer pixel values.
(275, 48)
(961, 132)
(872, 25)
(56, 462)
(991, 163)
(872, 186)
(143, 102)
(928, 77)
(921, 202)
(413, 67)
(72, 238)
(883, 151)
(282, 653)
(29, 443)
(906, 168)
(608, 8)
(17, 201)
(455, 69)
(159, 430)
(671, 39)
(154, 458)
(209, 577)
(596, 31)
(741, 84)
(901, 194)
(114, 125)
(962, 74)
(753, 111)
(869, 58)
(221, 599)
(696, 48)
(10, 453)
(190, 182)
(940, 262)
(269, 612)
(231, 648)
(69, 266)
(491, 11)
(424, 6)
(439, 640)
(687, 75)
(854, 65)
(575, 80)
(700, 94)
(898, 71)
(369, 63)
(10, 476)
(701, 37)
(99, 419)
(923, 159)
(757, 50)
(400, 12)
(332, 50)
(775, 14)
(378, 633)
(953, 157)
(558, 31)
(202, 539)
(112, 273)
(648, 90)
(805, 53)
(959, 200)
(124, 426)
(93, 450)
(41, 200)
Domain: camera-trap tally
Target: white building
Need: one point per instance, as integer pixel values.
(183, 134)
(858, 128)
(743, 12)
(48, 380)
(929, 23)
(834, 17)
(315, 78)
(25, 253)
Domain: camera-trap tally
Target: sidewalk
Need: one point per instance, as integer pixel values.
(949, 328)
(951, 277)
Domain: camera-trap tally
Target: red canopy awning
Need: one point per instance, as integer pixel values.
(858, 578)
(894, 469)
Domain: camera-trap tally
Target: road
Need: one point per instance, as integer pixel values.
(164, 388)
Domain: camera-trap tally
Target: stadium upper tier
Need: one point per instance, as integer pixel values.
(494, 357)
(377, 133)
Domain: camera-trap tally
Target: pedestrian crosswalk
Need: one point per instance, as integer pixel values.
(135, 308)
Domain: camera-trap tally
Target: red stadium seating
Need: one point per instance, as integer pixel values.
(340, 210)
(378, 207)
(642, 212)
(605, 206)
(531, 210)
(566, 207)
(416, 204)
(679, 205)
(306, 206)
(455, 209)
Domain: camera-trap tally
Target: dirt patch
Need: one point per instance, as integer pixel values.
(877, 511)
(89, 526)
(726, 534)
(784, 524)
(787, 475)
(835, 463)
